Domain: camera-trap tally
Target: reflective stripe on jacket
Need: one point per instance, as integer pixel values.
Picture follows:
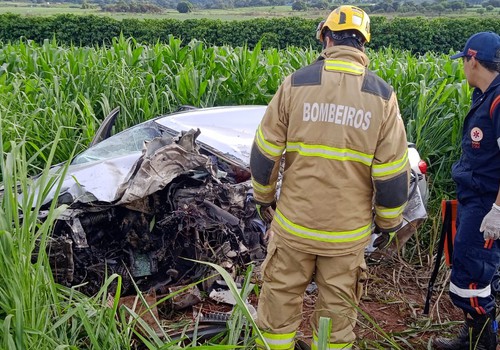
(344, 144)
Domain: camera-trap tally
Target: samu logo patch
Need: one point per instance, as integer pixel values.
(476, 135)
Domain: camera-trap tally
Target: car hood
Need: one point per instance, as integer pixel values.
(94, 181)
(125, 179)
(225, 131)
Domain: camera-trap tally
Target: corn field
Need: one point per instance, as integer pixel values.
(53, 99)
(48, 89)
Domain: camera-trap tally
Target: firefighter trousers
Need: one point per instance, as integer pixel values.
(286, 273)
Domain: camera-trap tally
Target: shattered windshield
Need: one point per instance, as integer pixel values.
(126, 142)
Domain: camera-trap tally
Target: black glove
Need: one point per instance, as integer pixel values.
(384, 240)
(266, 212)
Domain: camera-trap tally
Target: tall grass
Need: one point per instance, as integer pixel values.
(37, 313)
(34, 311)
(53, 99)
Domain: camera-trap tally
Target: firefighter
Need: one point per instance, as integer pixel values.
(339, 129)
(476, 251)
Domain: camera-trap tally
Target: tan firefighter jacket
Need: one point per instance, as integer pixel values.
(344, 144)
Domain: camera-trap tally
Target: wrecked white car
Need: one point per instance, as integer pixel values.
(146, 202)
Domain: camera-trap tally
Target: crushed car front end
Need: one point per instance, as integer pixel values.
(150, 201)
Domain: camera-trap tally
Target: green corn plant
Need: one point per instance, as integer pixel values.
(246, 76)
(241, 324)
(35, 312)
(28, 294)
(324, 331)
(433, 98)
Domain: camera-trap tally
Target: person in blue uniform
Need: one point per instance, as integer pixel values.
(476, 253)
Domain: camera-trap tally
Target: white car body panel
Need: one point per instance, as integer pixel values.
(230, 130)
(227, 130)
(96, 181)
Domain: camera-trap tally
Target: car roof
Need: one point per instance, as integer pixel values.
(229, 130)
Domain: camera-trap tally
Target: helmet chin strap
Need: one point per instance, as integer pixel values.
(347, 36)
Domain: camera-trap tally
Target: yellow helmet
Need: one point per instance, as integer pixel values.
(343, 18)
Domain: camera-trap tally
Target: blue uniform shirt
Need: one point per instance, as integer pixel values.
(477, 172)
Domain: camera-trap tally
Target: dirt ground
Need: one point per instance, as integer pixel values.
(391, 310)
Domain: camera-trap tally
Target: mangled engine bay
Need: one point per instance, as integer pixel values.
(177, 206)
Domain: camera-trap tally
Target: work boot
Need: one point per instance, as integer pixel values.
(477, 333)
(461, 341)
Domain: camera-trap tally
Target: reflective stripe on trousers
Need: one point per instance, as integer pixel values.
(475, 261)
(284, 341)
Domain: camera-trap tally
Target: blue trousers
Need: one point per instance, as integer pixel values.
(474, 276)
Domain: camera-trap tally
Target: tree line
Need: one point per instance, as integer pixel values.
(417, 35)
